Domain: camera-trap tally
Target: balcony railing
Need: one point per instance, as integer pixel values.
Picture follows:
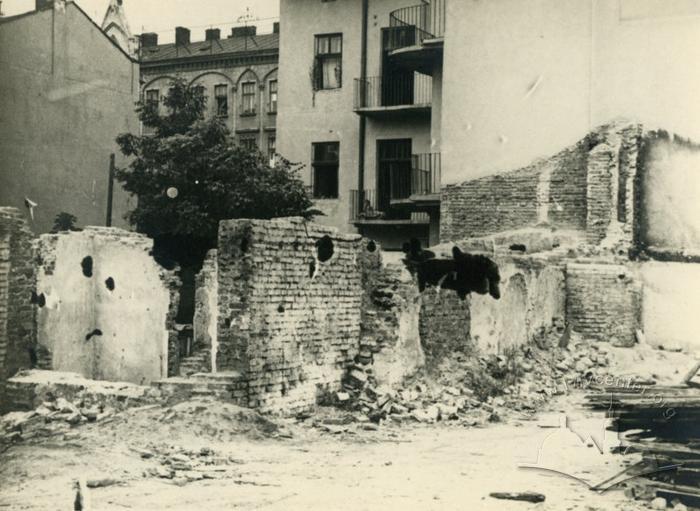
(399, 89)
(426, 174)
(413, 25)
(363, 206)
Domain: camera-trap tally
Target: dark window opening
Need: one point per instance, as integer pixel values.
(328, 63)
(249, 143)
(272, 150)
(153, 97)
(393, 174)
(325, 170)
(221, 95)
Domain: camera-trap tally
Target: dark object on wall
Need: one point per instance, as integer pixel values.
(518, 247)
(39, 299)
(312, 268)
(110, 283)
(464, 273)
(371, 246)
(86, 264)
(92, 334)
(324, 248)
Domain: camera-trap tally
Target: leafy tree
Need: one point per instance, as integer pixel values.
(64, 222)
(189, 174)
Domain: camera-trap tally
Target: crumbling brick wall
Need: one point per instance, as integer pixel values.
(444, 324)
(107, 309)
(289, 322)
(586, 187)
(603, 302)
(17, 282)
(206, 311)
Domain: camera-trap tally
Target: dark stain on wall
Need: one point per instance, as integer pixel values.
(95, 332)
(38, 299)
(86, 264)
(110, 283)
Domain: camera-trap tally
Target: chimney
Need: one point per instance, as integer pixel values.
(212, 34)
(43, 4)
(276, 27)
(149, 39)
(182, 36)
(250, 31)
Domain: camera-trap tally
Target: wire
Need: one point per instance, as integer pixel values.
(210, 25)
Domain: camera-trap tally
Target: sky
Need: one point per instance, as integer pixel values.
(163, 16)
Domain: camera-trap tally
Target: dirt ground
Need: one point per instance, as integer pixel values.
(245, 461)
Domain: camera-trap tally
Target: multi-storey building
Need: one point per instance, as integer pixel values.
(67, 91)
(237, 74)
(360, 106)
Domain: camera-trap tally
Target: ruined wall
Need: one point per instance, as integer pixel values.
(390, 335)
(17, 282)
(603, 301)
(288, 321)
(444, 324)
(585, 187)
(109, 307)
(206, 310)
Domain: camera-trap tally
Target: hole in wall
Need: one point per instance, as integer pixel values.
(296, 245)
(86, 264)
(312, 268)
(324, 248)
(244, 244)
(280, 308)
(518, 247)
(33, 358)
(95, 332)
(38, 299)
(110, 283)
(371, 246)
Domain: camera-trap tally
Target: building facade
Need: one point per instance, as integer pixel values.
(360, 107)
(66, 91)
(237, 75)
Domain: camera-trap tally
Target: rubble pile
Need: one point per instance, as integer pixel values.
(471, 389)
(184, 466)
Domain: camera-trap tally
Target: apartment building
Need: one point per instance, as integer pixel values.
(237, 74)
(360, 108)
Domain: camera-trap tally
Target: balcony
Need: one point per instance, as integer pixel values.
(415, 35)
(400, 94)
(420, 189)
(364, 211)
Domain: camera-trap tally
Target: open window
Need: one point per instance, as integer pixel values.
(328, 64)
(221, 95)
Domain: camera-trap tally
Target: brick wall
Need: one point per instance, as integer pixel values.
(603, 301)
(288, 321)
(17, 282)
(587, 187)
(206, 310)
(444, 324)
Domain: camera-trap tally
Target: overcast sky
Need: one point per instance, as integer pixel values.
(163, 16)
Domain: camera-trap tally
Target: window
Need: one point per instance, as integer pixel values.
(221, 95)
(248, 98)
(152, 97)
(329, 61)
(272, 149)
(272, 91)
(249, 143)
(325, 170)
(199, 92)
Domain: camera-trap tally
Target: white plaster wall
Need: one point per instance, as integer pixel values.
(524, 79)
(132, 318)
(670, 304)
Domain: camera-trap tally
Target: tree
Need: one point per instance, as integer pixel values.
(64, 222)
(189, 174)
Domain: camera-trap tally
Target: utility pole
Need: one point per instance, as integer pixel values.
(110, 190)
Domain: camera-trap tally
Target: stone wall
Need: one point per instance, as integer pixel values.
(289, 321)
(17, 282)
(603, 301)
(586, 187)
(444, 324)
(107, 309)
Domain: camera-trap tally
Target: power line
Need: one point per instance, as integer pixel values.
(211, 25)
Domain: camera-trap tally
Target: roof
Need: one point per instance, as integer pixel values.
(267, 43)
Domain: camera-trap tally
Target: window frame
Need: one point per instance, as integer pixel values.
(321, 57)
(218, 97)
(244, 95)
(244, 140)
(272, 149)
(323, 165)
(150, 101)
(270, 103)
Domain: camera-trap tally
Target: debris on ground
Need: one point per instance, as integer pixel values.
(527, 496)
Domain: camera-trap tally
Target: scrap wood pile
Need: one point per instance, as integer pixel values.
(663, 424)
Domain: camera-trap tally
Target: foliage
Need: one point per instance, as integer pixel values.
(64, 222)
(189, 173)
